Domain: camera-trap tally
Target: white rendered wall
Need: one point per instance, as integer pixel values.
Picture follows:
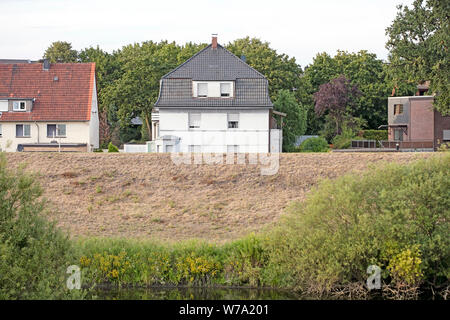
(76, 132)
(213, 134)
(94, 131)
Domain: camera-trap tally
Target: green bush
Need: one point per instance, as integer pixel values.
(375, 135)
(34, 254)
(98, 150)
(315, 144)
(112, 148)
(395, 217)
(343, 140)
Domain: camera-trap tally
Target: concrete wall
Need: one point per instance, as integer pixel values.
(213, 134)
(76, 132)
(398, 119)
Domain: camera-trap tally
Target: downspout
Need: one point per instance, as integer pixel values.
(37, 126)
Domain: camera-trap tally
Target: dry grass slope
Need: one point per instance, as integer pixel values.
(148, 196)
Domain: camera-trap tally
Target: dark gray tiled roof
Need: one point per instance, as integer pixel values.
(251, 87)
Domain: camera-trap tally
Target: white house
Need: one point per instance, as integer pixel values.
(214, 102)
(48, 107)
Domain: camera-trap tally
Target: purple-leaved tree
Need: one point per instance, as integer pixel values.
(336, 97)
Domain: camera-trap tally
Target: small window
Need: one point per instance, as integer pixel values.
(398, 134)
(56, 130)
(225, 89)
(194, 148)
(19, 106)
(22, 130)
(233, 120)
(398, 109)
(194, 120)
(202, 90)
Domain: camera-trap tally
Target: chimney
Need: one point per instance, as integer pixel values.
(214, 41)
(46, 65)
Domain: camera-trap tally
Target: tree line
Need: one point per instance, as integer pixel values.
(346, 92)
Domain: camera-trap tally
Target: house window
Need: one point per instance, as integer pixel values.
(398, 109)
(56, 130)
(232, 148)
(19, 106)
(22, 130)
(398, 134)
(233, 120)
(225, 89)
(194, 120)
(4, 105)
(194, 148)
(202, 90)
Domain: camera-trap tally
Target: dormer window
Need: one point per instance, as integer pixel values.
(225, 89)
(19, 106)
(212, 89)
(202, 90)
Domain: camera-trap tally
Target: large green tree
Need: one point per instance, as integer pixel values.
(419, 39)
(61, 51)
(294, 124)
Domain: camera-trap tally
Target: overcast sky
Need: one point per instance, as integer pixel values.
(299, 28)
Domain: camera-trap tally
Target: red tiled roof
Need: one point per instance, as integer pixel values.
(67, 99)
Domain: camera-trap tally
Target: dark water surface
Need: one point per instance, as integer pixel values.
(192, 293)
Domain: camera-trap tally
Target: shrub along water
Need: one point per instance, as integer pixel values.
(34, 255)
(395, 217)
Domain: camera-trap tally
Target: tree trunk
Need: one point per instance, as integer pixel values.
(149, 128)
(337, 126)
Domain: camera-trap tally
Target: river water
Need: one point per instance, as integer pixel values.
(192, 293)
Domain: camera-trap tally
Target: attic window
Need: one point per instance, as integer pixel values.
(225, 89)
(19, 106)
(202, 90)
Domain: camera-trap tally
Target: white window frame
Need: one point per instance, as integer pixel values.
(23, 130)
(199, 84)
(232, 117)
(19, 103)
(191, 125)
(58, 134)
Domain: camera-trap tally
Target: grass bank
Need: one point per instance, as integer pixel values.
(393, 216)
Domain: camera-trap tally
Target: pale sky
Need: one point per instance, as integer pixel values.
(299, 28)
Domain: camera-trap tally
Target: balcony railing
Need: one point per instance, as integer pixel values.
(389, 144)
